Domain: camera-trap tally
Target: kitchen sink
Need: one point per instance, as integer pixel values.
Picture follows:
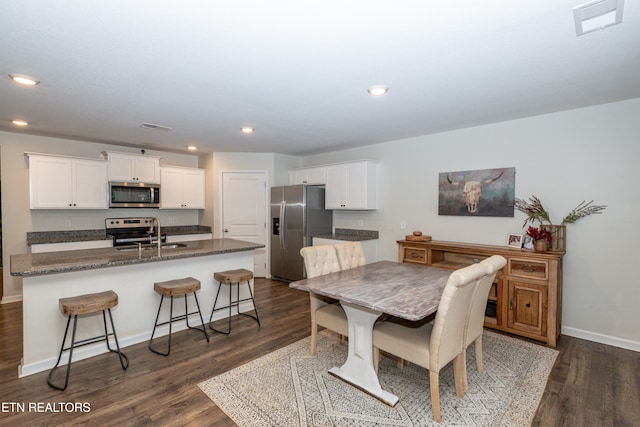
(149, 247)
(131, 248)
(173, 245)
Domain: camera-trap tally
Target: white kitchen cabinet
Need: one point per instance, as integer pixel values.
(67, 183)
(181, 188)
(369, 247)
(308, 176)
(352, 186)
(126, 167)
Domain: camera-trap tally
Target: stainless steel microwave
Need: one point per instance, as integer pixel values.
(134, 195)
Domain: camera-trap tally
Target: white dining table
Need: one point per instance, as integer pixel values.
(402, 290)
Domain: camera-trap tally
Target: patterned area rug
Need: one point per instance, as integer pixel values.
(290, 388)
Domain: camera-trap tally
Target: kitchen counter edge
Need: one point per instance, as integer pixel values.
(28, 265)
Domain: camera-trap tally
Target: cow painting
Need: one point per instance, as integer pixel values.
(488, 192)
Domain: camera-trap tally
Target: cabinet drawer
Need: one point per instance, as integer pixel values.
(528, 268)
(417, 255)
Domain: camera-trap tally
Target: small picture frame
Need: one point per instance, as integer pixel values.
(514, 240)
(528, 242)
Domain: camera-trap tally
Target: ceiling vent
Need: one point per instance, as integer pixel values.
(597, 15)
(155, 127)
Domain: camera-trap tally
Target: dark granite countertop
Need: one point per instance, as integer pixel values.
(62, 262)
(68, 236)
(350, 235)
(43, 237)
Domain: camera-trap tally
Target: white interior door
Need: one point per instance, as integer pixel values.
(244, 200)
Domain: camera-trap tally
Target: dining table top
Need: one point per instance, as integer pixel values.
(403, 290)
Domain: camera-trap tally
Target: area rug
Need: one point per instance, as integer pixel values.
(290, 388)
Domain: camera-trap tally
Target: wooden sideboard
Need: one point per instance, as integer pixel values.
(526, 296)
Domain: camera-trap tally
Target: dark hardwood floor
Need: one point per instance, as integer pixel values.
(590, 385)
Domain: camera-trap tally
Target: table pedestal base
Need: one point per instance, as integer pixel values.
(358, 370)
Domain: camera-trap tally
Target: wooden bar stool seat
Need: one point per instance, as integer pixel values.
(231, 278)
(85, 305)
(177, 288)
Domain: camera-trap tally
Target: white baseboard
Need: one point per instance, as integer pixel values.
(602, 339)
(100, 348)
(10, 299)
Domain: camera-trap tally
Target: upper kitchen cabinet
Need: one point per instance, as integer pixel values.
(308, 176)
(67, 183)
(181, 188)
(133, 167)
(352, 186)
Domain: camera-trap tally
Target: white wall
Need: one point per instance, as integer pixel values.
(18, 219)
(276, 166)
(563, 158)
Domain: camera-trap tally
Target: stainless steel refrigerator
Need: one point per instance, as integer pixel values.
(297, 214)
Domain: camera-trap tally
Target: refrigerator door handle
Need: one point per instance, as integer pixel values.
(283, 209)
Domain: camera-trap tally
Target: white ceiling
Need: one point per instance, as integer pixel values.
(298, 71)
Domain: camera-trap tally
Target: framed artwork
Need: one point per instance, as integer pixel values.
(486, 192)
(514, 240)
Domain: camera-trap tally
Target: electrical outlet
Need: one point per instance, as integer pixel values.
(403, 224)
(67, 223)
(360, 223)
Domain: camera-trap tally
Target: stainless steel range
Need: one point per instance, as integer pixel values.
(131, 231)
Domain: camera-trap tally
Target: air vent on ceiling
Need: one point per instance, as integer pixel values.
(155, 127)
(597, 15)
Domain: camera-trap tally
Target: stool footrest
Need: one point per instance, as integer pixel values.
(233, 304)
(178, 318)
(87, 341)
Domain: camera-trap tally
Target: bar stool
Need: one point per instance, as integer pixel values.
(230, 278)
(176, 288)
(84, 305)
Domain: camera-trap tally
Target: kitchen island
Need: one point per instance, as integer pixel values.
(131, 273)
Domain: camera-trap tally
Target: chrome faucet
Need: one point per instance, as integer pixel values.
(155, 220)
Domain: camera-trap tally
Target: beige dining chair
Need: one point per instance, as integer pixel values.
(350, 255)
(475, 326)
(433, 345)
(325, 312)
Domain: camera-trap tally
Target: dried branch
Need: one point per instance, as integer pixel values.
(582, 210)
(533, 209)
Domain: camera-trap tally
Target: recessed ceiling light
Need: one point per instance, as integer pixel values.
(378, 90)
(20, 122)
(24, 80)
(597, 15)
(192, 147)
(247, 129)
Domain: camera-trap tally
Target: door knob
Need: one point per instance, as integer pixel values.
(226, 230)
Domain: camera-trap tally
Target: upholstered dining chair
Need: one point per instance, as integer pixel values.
(325, 312)
(433, 345)
(475, 325)
(350, 255)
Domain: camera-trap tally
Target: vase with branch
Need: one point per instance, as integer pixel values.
(535, 211)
